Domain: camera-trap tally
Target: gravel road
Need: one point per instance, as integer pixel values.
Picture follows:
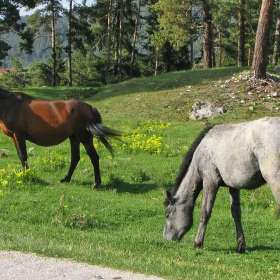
(19, 266)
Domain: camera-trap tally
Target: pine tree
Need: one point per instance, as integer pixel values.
(9, 17)
(277, 35)
(260, 59)
(43, 23)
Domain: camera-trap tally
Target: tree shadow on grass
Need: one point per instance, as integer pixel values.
(121, 186)
(124, 187)
(262, 248)
(248, 249)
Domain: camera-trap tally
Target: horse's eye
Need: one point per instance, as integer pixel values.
(167, 216)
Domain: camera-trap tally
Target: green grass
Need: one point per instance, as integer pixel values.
(120, 225)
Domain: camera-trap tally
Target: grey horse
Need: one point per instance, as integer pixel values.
(238, 156)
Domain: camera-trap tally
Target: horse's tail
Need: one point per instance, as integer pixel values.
(187, 161)
(97, 129)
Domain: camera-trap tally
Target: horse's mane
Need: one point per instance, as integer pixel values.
(5, 92)
(187, 161)
(19, 95)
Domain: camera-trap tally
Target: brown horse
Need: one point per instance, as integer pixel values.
(48, 123)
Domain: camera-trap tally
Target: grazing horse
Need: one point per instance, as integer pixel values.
(238, 156)
(48, 123)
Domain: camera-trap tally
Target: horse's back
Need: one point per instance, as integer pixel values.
(51, 122)
(242, 153)
(60, 110)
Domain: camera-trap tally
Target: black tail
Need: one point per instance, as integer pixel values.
(97, 129)
(101, 132)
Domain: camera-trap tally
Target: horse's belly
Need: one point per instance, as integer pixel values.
(46, 142)
(244, 180)
(48, 137)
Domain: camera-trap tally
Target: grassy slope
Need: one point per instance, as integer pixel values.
(159, 98)
(170, 96)
(121, 224)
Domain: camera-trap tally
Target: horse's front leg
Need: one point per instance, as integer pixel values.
(75, 158)
(20, 145)
(236, 214)
(209, 196)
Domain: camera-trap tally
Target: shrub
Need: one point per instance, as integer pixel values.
(40, 74)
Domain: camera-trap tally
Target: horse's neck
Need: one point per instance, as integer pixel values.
(4, 93)
(189, 186)
(5, 102)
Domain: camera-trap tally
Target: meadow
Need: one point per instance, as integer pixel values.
(120, 225)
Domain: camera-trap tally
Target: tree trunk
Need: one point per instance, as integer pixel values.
(157, 63)
(260, 59)
(134, 39)
(213, 49)
(220, 48)
(207, 34)
(70, 80)
(108, 40)
(191, 51)
(241, 34)
(250, 54)
(276, 43)
(190, 15)
(53, 45)
(120, 41)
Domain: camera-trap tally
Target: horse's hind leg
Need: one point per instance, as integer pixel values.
(236, 214)
(75, 157)
(271, 174)
(88, 144)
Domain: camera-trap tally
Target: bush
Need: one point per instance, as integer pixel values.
(14, 79)
(80, 93)
(40, 74)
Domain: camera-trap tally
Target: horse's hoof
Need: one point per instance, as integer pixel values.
(240, 249)
(241, 245)
(64, 180)
(197, 244)
(96, 185)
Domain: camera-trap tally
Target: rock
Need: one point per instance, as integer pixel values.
(202, 110)
(277, 69)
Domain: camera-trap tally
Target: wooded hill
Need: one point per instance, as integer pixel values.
(41, 46)
(114, 40)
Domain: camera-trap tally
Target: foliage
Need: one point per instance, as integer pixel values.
(10, 79)
(9, 21)
(40, 74)
(80, 93)
(17, 77)
(85, 68)
(169, 35)
(175, 23)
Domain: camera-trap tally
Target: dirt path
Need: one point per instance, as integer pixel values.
(19, 266)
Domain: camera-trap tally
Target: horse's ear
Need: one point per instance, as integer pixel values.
(170, 197)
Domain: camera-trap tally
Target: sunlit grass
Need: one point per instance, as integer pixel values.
(120, 225)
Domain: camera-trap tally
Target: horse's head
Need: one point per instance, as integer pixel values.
(178, 220)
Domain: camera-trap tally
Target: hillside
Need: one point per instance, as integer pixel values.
(41, 46)
(169, 97)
